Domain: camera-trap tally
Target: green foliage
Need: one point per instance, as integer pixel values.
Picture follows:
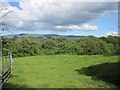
(86, 45)
(113, 43)
(23, 47)
(93, 46)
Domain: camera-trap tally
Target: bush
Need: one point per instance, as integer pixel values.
(86, 45)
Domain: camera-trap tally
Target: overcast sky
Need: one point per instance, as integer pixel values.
(66, 18)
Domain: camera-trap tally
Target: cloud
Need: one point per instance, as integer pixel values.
(113, 33)
(76, 27)
(43, 15)
(66, 0)
(87, 0)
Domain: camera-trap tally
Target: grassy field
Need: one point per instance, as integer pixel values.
(64, 71)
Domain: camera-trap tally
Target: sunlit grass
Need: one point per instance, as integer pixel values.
(56, 72)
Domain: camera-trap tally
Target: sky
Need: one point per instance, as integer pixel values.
(63, 18)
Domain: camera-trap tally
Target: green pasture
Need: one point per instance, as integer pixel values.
(65, 71)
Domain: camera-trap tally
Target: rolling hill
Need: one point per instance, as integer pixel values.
(39, 36)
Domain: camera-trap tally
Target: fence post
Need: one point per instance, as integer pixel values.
(0, 63)
(11, 60)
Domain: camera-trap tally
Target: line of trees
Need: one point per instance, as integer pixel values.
(86, 45)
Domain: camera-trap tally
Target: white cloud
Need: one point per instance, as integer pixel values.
(89, 27)
(39, 14)
(85, 27)
(113, 33)
(87, 0)
(66, 0)
(19, 24)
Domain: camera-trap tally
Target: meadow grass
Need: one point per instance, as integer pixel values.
(58, 71)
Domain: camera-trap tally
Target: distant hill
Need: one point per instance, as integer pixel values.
(40, 36)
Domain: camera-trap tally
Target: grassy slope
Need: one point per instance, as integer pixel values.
(56, 72)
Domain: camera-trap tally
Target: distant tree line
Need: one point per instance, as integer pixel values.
(86, 45)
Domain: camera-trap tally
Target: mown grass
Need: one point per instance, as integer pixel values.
(60, 71)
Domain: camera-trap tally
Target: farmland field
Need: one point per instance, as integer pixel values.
(65, 71)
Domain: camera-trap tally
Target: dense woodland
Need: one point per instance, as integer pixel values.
(86, 45)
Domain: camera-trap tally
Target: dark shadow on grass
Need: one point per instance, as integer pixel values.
(108, 72)
(8, 86)
(11, 86)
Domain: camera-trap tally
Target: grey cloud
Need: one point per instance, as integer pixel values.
(50, 15)
(76, 13)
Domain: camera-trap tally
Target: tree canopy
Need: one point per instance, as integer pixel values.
(86, 45)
